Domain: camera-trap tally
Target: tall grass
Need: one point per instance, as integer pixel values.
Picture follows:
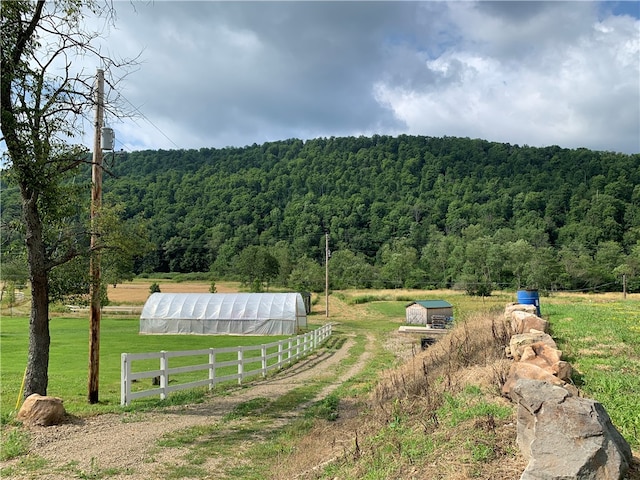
(441, 408)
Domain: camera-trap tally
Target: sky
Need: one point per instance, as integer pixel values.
(218, 74)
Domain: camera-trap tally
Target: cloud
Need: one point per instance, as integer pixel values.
(539, 87)
(215, 74)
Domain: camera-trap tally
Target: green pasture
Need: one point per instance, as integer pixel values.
(69, 357)
(599, 335)
(602, 343)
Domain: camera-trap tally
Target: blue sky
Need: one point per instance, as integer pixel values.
(216, 74)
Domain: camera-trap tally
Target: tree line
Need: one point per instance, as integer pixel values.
(400, 212)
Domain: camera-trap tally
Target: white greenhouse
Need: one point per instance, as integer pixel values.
(223, 313)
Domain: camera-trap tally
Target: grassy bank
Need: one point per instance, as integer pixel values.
(440, 415)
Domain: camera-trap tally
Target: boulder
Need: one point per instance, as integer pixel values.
(567, 437)
(562, 370)
(549, 354)
(518, 307)
(524, 322)
(41, 410)
(527, 371)
(519, 341)
(540, 354)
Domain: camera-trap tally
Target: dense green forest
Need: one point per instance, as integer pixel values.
(407, 211)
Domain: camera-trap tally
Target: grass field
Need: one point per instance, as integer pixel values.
(602, 343)
(600, 335)
(68, 366)
(454, 396)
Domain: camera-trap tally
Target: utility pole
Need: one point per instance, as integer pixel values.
(96, 203)
(326, 272)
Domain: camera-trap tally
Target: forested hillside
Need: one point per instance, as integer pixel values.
(402, 211)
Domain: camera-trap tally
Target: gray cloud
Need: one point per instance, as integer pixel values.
(234, 73)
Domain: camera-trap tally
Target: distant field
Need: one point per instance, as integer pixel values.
(137, 292)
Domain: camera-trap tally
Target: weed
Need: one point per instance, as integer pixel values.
(14, 443)
(95, 472)
(292, 399)
(8, 418)
(326, 409)
(481, 451)
(184, 437)
(248, 408)
(28, 463)
(176, 472)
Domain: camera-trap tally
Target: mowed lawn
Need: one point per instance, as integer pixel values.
(68, 366)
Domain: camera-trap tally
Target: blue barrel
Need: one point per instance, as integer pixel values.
(529, 297)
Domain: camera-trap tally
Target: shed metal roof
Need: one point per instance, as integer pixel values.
(432, 303)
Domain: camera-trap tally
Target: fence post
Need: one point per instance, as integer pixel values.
(164, 376)
(125, 386)
(212, 368)
(289, 345)
(264, 360)
(297, 348)
(280, 354)
(240, 365)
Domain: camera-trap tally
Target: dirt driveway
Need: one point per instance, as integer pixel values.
(124, 446)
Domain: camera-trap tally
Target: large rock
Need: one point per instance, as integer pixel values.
(519, 307)
(527, 371)
(520, 341)
(524, 322)
(548, 358)
(41, 410)
(547, 355)
(567, 437)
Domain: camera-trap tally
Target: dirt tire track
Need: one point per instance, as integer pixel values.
(127, 442)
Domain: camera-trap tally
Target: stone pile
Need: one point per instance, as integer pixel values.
(563, 435)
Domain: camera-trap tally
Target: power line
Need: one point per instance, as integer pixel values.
(137, 110)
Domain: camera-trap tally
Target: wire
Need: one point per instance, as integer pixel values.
(137, 110)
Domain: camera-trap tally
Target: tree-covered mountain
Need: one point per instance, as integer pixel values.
(406, 211)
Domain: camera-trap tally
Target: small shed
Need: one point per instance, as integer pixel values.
(223, 313)
(435, 313)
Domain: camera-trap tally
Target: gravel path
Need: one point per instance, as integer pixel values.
(123, 446)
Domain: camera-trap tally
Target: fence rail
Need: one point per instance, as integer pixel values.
(249, 361)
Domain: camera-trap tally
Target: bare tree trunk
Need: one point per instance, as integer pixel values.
(37, 376)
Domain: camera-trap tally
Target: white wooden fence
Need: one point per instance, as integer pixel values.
(275, 355)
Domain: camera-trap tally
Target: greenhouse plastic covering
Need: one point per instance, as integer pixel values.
(223, 313)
